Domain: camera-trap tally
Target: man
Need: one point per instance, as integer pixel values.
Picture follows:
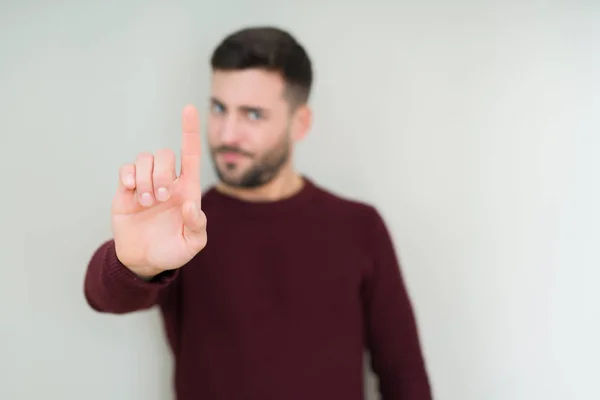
(270, 286)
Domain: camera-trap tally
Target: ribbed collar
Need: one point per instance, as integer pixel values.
(236, 205)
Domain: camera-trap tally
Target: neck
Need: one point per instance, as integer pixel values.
(285, 184)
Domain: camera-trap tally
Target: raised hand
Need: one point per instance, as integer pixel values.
(157, 220)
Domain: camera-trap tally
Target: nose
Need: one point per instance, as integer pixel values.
(229, 134)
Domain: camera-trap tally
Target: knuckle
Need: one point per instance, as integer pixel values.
(143, 177)
(126, 169)
(144, 165)
(144, 157)
(164, 166)
(166, 154)
(162, 176)
(202, 220)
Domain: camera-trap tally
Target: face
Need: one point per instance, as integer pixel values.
(252, 128)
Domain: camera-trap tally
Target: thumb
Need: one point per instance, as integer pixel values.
(194, 220)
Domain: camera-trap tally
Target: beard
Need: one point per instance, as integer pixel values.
(261, 172)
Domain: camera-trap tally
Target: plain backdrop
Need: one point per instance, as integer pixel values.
(473, 126)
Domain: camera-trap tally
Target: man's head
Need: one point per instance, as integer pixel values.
(260, 88)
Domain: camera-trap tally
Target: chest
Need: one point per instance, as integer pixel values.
(266, 271)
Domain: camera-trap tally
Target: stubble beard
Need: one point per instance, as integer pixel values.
(261, 172)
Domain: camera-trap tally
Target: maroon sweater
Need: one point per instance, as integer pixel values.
(280, 304)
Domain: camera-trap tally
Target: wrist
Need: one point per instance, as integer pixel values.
(142, 272)
(146, 274)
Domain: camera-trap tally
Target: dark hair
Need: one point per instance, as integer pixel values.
(268, 48)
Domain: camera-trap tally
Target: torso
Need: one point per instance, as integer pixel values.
(272, 306)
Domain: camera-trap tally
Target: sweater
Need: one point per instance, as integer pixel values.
(282, 303)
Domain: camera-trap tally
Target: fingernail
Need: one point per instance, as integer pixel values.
(146, 199)
(162, 194)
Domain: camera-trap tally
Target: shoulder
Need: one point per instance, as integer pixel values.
(359, 211)
(357, 219)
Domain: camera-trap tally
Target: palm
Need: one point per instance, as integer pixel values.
(164, 235)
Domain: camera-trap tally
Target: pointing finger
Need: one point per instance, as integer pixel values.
(190, 144)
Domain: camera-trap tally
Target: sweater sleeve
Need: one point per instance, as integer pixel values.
(392, 332)
(111, 287)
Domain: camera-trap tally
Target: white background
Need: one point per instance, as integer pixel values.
(473, 126)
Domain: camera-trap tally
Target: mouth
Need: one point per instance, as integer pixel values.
(231, 156)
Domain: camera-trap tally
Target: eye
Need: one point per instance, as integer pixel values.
(254, 115)
(217, 108)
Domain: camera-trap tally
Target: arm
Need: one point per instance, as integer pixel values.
(392, 333)
(109, 286)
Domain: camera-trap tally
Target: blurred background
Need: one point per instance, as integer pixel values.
(474, 127)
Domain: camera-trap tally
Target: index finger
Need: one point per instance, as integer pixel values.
(190, 144)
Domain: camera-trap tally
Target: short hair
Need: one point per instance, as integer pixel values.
(269, 48)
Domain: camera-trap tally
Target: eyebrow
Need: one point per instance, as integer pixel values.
(243, 108)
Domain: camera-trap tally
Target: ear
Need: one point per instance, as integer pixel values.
(302, 122)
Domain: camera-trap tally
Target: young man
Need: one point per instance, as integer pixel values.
(270, 286)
